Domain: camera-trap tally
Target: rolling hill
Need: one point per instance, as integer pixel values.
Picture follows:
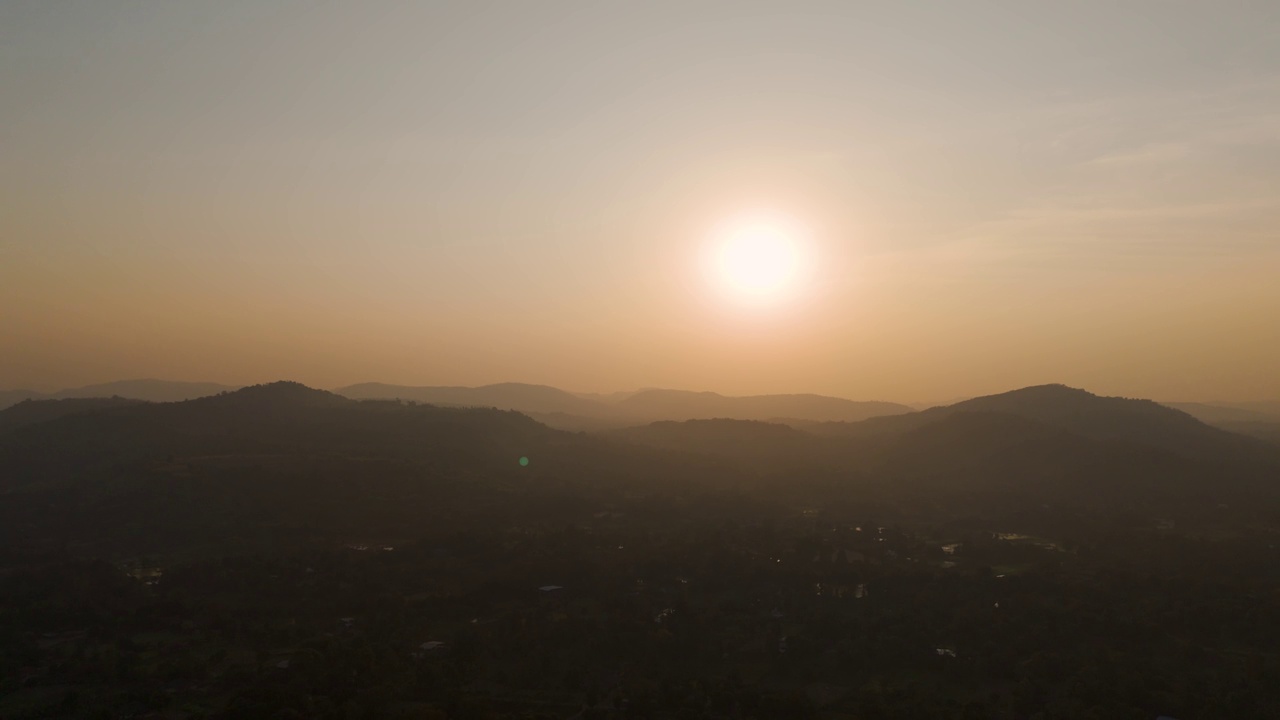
(279, 462)
(1053, 441)
(1143, 422)
(274, 464)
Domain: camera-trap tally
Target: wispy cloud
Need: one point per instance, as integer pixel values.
(1165, 175)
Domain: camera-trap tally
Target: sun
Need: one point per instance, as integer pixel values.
(758, 259)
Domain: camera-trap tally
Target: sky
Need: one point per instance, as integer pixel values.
(988, 194)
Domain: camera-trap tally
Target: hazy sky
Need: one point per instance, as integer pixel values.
(997, 193)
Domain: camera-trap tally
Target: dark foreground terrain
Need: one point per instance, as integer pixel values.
(281, 552)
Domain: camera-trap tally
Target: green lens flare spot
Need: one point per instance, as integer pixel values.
(524, 462)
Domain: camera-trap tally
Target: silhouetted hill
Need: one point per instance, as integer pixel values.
(273, 463)
(268, 463)
(279, 395)
(1049, 439)
(504, 396)
(966, 454)
(283, 418)
(685, 405)
(1078, 411)
(1094, 416)
(31, 412)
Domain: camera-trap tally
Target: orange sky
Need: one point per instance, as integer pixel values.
(997, 195)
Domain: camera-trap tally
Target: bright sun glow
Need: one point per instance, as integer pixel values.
(758, 259)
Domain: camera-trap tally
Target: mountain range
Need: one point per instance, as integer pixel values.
(1069, 435)
(269, 462)
(592, 412)
(562, 409)
(1077, 411)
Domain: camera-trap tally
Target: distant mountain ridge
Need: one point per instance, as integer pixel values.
(1143, 422)
(150, 390)
(564, 409)
(276, 417)
(521, 397)
(1060, 439)
(688, 405)
(279, 394)
(1217, 414)
(1256, 419)
(606, 411)
(269, 460)
(556, 407)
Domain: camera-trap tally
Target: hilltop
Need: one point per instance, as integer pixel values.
(1055, 440)
(1139, 421)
